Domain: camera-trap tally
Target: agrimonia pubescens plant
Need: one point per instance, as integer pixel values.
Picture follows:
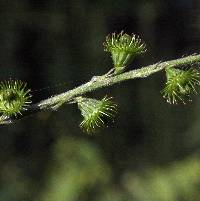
(181, 82)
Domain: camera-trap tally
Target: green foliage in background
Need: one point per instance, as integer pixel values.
(76, 167)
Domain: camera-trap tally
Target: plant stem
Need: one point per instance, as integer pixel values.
(98, 82)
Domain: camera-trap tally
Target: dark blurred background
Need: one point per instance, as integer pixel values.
(150, 153)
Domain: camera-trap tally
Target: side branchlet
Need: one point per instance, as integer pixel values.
(123, 48)
(180, 84)
(96, 113)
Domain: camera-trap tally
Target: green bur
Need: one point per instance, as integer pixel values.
(180, 84)
(96, 113)
(123, 48)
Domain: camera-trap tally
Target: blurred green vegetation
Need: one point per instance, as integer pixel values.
(150, 153)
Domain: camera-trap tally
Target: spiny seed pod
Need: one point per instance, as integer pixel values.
(96, 113)
(180, 84)
(123, 49)
(14, 97)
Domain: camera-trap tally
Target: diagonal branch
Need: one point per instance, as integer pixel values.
(98, 82)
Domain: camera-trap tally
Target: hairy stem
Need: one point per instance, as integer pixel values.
(98, 82)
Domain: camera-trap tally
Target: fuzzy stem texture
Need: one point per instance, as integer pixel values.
(97, 82)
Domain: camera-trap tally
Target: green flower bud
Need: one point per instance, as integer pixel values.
(123, 49)
(96, 113)
(180, 84)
